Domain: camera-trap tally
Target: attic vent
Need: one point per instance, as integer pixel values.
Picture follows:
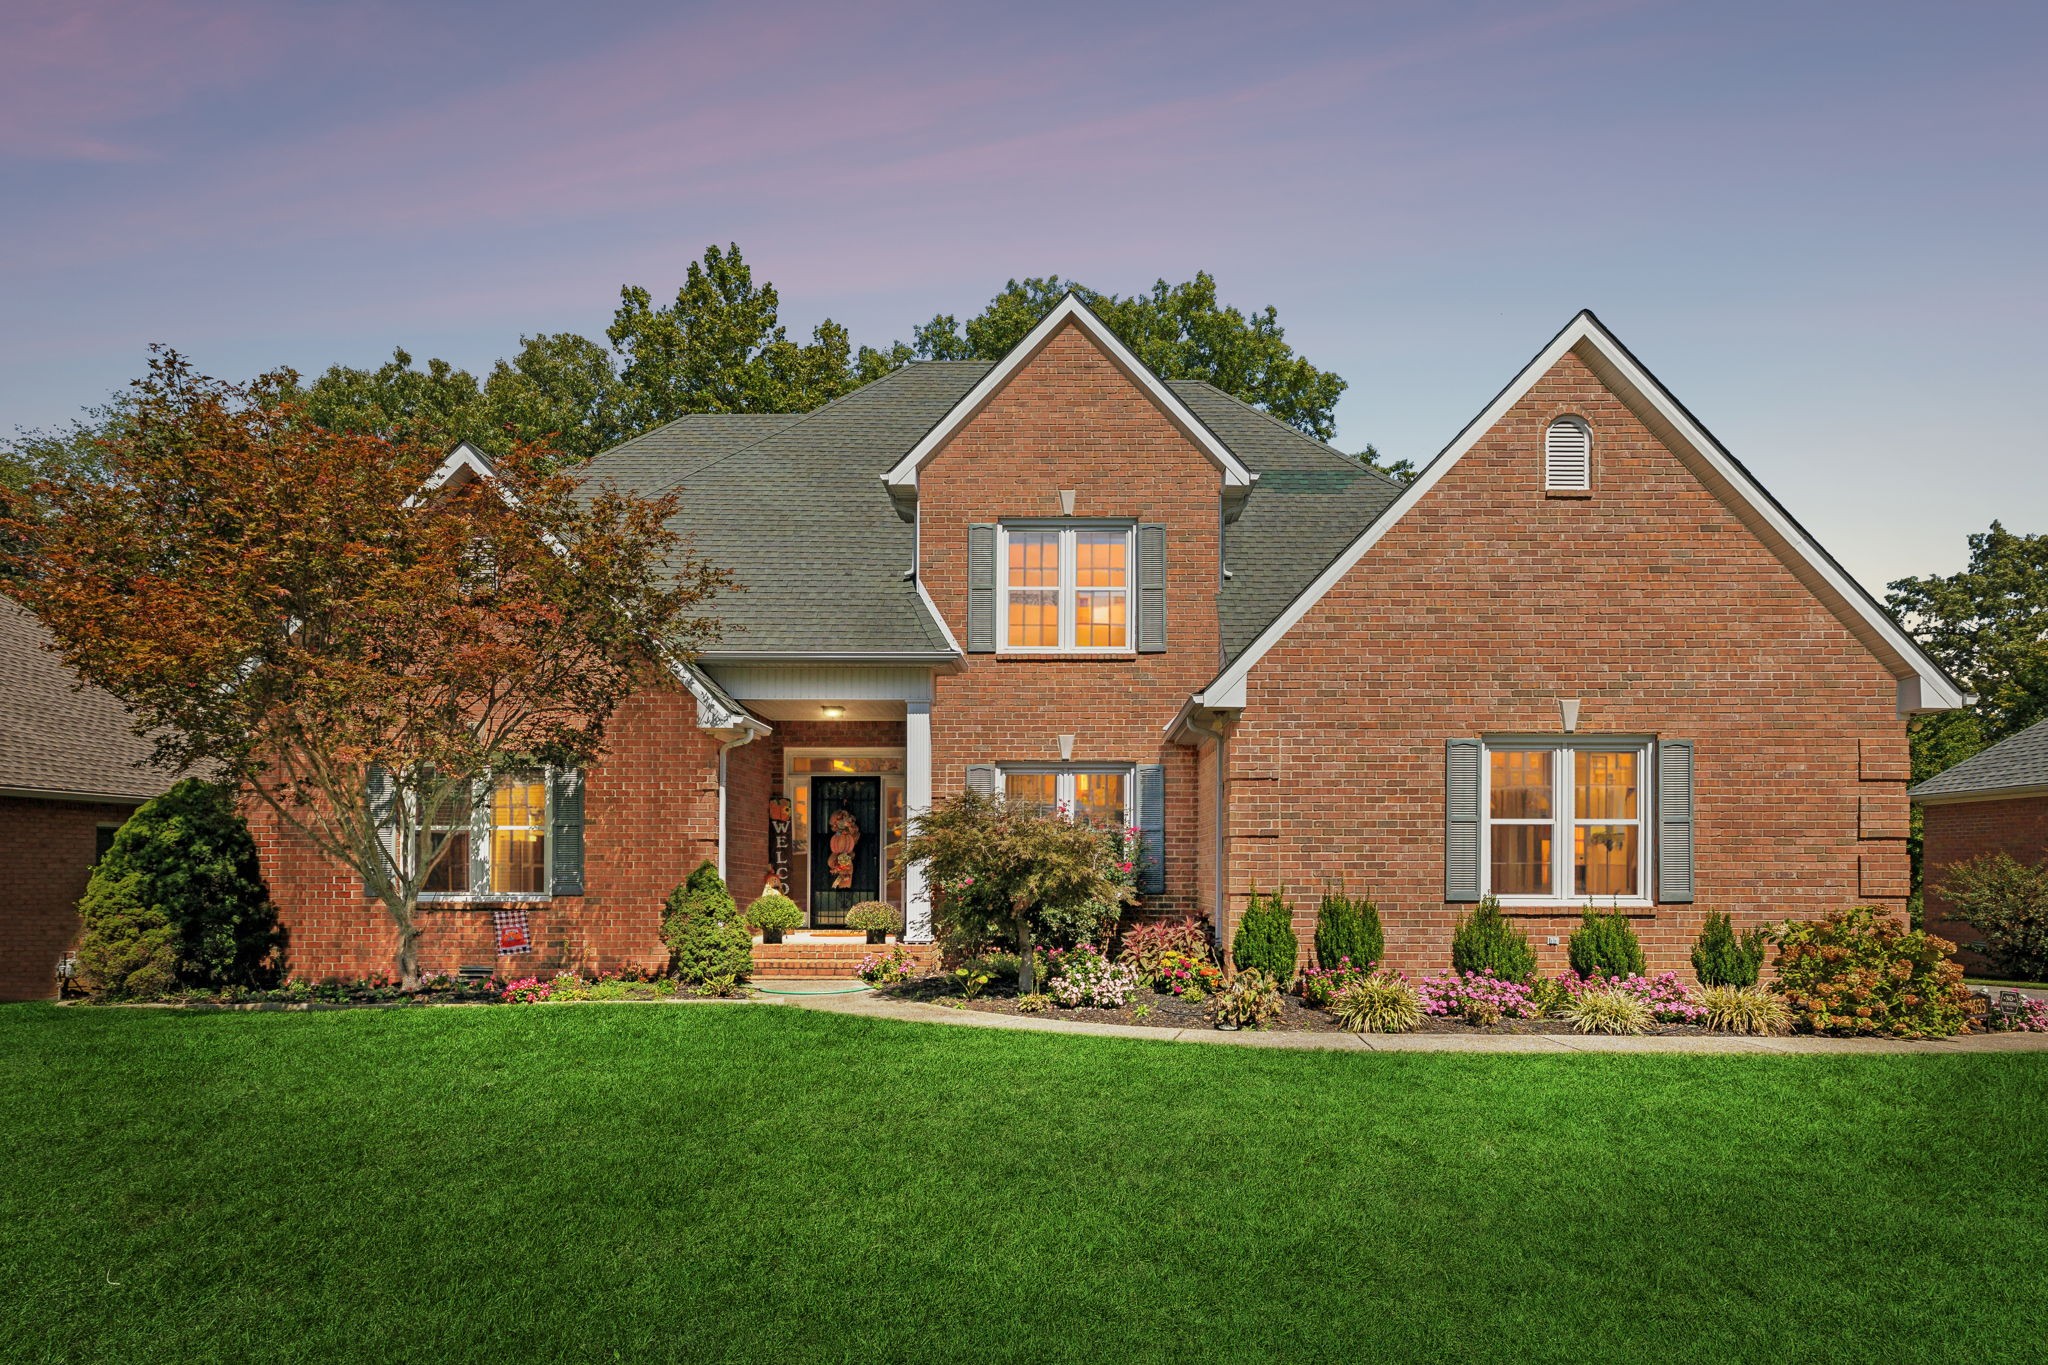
(1567, 456)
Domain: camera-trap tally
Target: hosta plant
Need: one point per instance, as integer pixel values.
(1382, 1002)
(1252, 999)
(1859, 971)
(1604, 1009)
(1744, 1009)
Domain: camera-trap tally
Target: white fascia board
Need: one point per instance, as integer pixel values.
(1925, 686)
(902, 480)
(924, 596)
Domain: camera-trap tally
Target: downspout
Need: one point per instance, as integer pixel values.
(730, 741)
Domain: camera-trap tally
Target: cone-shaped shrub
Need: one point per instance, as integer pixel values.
(1719, 958)
(1265, 938)
(1605, 946)
(1484, 941)
(702, 897)
(1347, 928)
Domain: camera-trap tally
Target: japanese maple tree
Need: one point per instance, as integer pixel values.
(295, 610)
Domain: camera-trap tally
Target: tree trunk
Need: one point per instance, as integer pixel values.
(408, 944)
(1027, 965)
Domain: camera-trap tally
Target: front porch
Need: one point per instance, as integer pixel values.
(814, 954)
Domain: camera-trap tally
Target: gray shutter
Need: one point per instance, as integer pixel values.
(565, 829)
(981, 778)
(981, 589)
(480, 816)
(1461, 819)
(1674, 821)
(383, 794)
(1151, 824)
(1151, 589)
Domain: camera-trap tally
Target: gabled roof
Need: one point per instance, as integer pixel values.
(60, 737)
(2015, 766)
(902, 477)
(1922, 686)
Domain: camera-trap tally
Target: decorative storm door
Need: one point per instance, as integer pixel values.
(846, 846)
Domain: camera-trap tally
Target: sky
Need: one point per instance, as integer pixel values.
(1821, 225)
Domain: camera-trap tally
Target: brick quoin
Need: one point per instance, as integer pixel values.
(1649, 601)
(50, 846)
(1070, 419)
(1956, 831)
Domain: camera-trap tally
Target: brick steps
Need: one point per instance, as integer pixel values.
(837, 958)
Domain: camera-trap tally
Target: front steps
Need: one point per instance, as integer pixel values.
(809, 954)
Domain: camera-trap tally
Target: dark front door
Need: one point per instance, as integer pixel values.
(846, 846)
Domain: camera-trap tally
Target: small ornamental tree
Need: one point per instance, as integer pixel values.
(999, 870)
(1265, 938)
(2006, 901)
(293, 610)
(1604, 946)
(1484, 941)
(1719, 958)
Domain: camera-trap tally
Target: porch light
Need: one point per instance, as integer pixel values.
(833, 712)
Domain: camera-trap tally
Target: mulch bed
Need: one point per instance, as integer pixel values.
(1171, 1012)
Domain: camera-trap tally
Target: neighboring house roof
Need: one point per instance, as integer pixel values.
(2015, 766)
(1922, 686)
(59, 737)
(793, 505)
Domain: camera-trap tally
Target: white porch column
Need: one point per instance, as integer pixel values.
(917, 799)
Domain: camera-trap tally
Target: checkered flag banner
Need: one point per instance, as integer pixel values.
(513, 934)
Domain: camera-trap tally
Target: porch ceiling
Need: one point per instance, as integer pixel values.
(786, 709)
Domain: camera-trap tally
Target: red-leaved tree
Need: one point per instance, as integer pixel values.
(294, 610)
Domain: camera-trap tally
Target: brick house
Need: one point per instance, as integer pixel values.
(1996, 802)
(1583, 657)
(71, 771)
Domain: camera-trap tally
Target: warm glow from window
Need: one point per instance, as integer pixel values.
(1067, 589)
(519, 836)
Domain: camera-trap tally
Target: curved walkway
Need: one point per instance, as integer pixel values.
(847, 997)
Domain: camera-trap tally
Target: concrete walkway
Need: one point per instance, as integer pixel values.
(849, 998)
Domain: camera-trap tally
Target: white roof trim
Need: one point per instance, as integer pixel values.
(462, 464)
(1930, 689)
(952, 641)
(903, 478)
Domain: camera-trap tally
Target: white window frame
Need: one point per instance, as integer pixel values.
(481, 829)
(1068, 573)
(1063, 786)
(1564, 819)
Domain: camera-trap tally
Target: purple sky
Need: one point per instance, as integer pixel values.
(1822, 225)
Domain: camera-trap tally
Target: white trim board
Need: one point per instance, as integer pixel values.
(1922, 686)
(902, 480)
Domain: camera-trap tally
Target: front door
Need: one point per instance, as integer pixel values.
(846, 846)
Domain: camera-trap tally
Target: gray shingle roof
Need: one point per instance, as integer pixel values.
(794, 506)
(1309, 503)
(57, 736)
(2017, 761)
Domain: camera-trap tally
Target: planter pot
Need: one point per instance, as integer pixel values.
(771, 936)
(877, 937)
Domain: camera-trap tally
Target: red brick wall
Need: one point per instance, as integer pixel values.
(49, 857)
(1651, 603)
(1956, 831)
(651, 815)
(1071, 419)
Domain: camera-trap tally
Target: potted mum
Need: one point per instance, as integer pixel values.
(878, 919)
(772, 914)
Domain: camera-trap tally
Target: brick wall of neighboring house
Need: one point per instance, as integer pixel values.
(651, 814)
(1651, 603)
(1957, 831)
(50, 847)
(1069, 419)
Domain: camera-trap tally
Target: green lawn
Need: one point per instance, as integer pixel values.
(601, 1182)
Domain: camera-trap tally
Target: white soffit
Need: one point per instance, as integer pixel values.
(1922, 684)
(903, 478)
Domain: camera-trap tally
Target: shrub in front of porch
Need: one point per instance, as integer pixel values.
(706, 934)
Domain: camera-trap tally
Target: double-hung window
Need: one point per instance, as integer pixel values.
(1566, 822)
(1066, 588)
(506, 820)
(1101, 796)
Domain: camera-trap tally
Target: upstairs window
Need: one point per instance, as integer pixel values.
(1568, 457)
(1066, 588)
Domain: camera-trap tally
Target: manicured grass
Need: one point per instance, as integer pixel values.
(750, 1183)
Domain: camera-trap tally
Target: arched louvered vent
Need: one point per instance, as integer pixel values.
(1568, 456)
